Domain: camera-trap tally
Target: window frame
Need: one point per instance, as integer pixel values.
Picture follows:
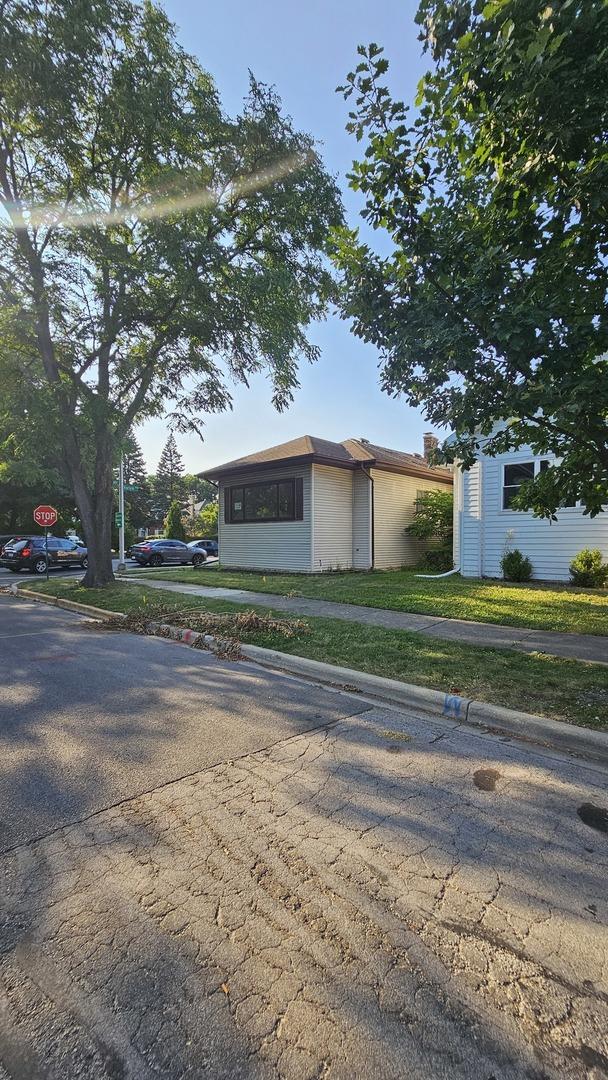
(297, 486)
(539, 465)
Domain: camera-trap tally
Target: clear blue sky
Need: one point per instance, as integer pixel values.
(305, 50)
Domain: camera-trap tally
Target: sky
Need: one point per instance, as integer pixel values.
(305, 50)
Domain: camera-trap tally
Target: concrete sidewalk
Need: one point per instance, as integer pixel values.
(587, 647)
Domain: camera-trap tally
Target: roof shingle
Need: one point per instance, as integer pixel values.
(348, 454)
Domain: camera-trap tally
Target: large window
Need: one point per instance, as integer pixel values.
(276, 500)
(517, 474)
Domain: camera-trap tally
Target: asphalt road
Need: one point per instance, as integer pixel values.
(213, 870)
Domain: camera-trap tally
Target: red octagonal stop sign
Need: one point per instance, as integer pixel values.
(45, 516)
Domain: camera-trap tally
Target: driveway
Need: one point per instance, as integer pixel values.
(212, 870)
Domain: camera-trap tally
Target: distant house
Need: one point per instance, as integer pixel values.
(311, 505)
(486, 524)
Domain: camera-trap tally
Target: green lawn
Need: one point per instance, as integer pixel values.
(563, 689)
(534, 606)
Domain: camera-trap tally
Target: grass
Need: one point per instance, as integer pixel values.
(533, 606)
(563, 689)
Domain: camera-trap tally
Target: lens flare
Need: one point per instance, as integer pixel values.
(158, 207)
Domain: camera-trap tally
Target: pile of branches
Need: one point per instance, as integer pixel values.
(227, 626)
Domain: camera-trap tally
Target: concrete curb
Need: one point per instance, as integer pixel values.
(69, 605)
(584, 742)
(532, 728)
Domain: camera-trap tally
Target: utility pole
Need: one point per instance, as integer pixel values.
(121, 511)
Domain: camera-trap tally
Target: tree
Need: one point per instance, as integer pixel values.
(168, 482)
(434, 516)
(138, 502)
(206, 525)
(174, 526)
(491, 308)
(153, 247)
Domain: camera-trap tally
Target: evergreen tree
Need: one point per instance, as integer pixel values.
(137, 503)
(168, 482)
(174, 526)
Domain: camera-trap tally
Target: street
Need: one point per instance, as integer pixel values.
(211, 869)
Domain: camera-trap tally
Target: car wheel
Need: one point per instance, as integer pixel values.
(85, 563)
(198, 560)
(39, 566)
(155, 560)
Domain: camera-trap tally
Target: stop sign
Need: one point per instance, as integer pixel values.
(45, 516)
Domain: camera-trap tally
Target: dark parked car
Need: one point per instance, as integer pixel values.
(210, 547)
(28, 553)
(165, 552)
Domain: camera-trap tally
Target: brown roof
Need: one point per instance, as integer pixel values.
(346, 455)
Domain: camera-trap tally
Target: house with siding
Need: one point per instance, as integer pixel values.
(312, 505)
(486, 524)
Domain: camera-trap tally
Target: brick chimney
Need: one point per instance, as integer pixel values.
(430, 442)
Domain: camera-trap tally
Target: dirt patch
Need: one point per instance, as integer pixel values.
(596, 817)
(485, 779)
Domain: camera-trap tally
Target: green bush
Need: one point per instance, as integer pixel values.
(588, 569)
(515, 566)
(439, 559)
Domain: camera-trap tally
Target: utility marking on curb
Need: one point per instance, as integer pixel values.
(452, 705)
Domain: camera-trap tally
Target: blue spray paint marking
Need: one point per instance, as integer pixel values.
(451, 706)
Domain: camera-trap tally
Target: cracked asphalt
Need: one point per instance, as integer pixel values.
(211, 870)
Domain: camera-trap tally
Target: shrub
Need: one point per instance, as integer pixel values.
(439, 559)
(588, 570)
(434, 516)
(515, 566)
(174, 528)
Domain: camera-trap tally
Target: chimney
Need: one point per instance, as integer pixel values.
(430, 441)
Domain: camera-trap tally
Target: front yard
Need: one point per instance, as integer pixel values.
(534, 606)
(563, 689)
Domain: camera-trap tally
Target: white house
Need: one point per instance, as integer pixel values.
(311, 505)
(485, 525)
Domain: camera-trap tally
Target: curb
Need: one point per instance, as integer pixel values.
(69, 605)
(493, 718)
(584, 742)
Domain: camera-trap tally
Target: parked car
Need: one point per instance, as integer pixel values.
(210, 547)
(168, 552)
(28, 553)
(5, 540)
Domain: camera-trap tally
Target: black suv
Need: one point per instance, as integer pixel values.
(28, 553)
(210, 547)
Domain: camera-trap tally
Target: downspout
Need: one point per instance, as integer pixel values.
(371, 480)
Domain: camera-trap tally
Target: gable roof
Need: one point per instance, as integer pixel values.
(350, 454)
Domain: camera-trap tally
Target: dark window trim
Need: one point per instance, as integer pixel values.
(298, 501)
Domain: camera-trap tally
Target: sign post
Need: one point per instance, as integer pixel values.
(45, 516)
(121, 515)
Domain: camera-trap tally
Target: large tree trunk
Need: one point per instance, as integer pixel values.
(99, 536)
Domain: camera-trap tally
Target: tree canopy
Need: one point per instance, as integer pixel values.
(490, 310)
(153, 249)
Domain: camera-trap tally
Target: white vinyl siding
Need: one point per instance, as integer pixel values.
(470, 526)
(362, 521)
(457, 515)
(267, 545)
(394, 509)
(550, 546)
(333, 518)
